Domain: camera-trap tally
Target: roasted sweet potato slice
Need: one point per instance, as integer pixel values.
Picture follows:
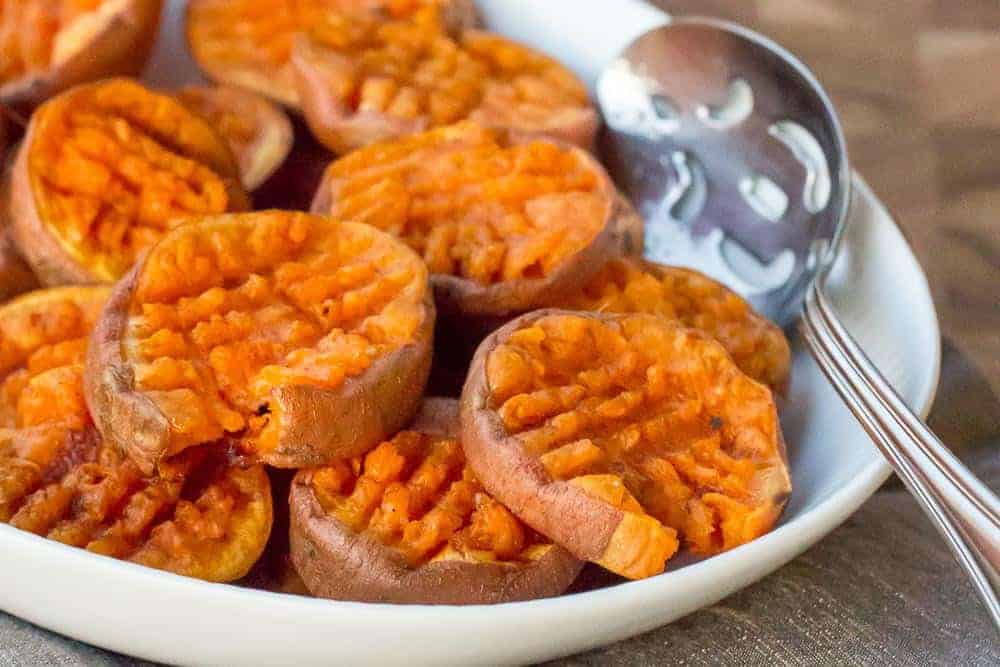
(201, 517)
(504, 225)
(105, 170)
(248, 43)
(409, 523)
(756, 344)
(47, 46)
(259, 133)
(614, 434)
(303, 338)
(362, 79)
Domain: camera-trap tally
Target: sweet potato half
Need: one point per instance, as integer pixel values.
(259, 133)
(633, 285)
(104, 171)
(47, 46)
(16, 277)
(615, 435)
(363, 79)
(505, 225)
(409, 523)
(298, 338)
(201, 517)
(248, 43)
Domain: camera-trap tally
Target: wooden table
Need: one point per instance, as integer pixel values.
(918, 85)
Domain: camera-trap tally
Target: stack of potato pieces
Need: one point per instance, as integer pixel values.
(453, 381)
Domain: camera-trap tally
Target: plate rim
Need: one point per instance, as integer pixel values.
(820, 521)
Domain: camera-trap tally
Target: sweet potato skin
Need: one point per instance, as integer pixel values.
(342, 129)
(119, 48)
(583, 524)
(358, 415)
(458, 15)
(51, 262)
(16, 277)
(267, 152)
(460, 298)
(341, 565)
(318, 425)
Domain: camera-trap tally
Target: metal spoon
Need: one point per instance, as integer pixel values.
(733, 153)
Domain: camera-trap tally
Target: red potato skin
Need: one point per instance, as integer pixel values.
(318, 426)
(40, 248)
(274, 140)
(465, 299)
(120, 48)
(338, 564)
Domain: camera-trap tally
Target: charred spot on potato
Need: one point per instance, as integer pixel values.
(646, 416)
(105, 171)
(201, 517)
(758, 346)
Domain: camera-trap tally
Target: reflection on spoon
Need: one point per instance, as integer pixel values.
(736, 109)
(808, 151)
(764, 196)
(634, 104)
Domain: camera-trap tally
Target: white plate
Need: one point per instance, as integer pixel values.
(878, 286)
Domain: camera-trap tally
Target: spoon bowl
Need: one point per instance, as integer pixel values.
(733, 154)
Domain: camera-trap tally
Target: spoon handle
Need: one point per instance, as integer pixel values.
(962, 508)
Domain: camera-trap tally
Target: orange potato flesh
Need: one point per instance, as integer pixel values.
(649, 417)
(30, 29)
(415, 494)
(228, 310)
(413, 74)
(112, 167)
(48, 46)
(249, 42)
(201, 518)
(258, 132)
(472, 204)
(757, 346)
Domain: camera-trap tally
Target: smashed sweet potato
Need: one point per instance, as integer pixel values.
(248, 43)
(47, 46)
(201, 517)
(105, 170)
(409, 523)
(757, 345)
(615, 435)
(504, 225)
(258, 132)
(302, 338)
(363, 79)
